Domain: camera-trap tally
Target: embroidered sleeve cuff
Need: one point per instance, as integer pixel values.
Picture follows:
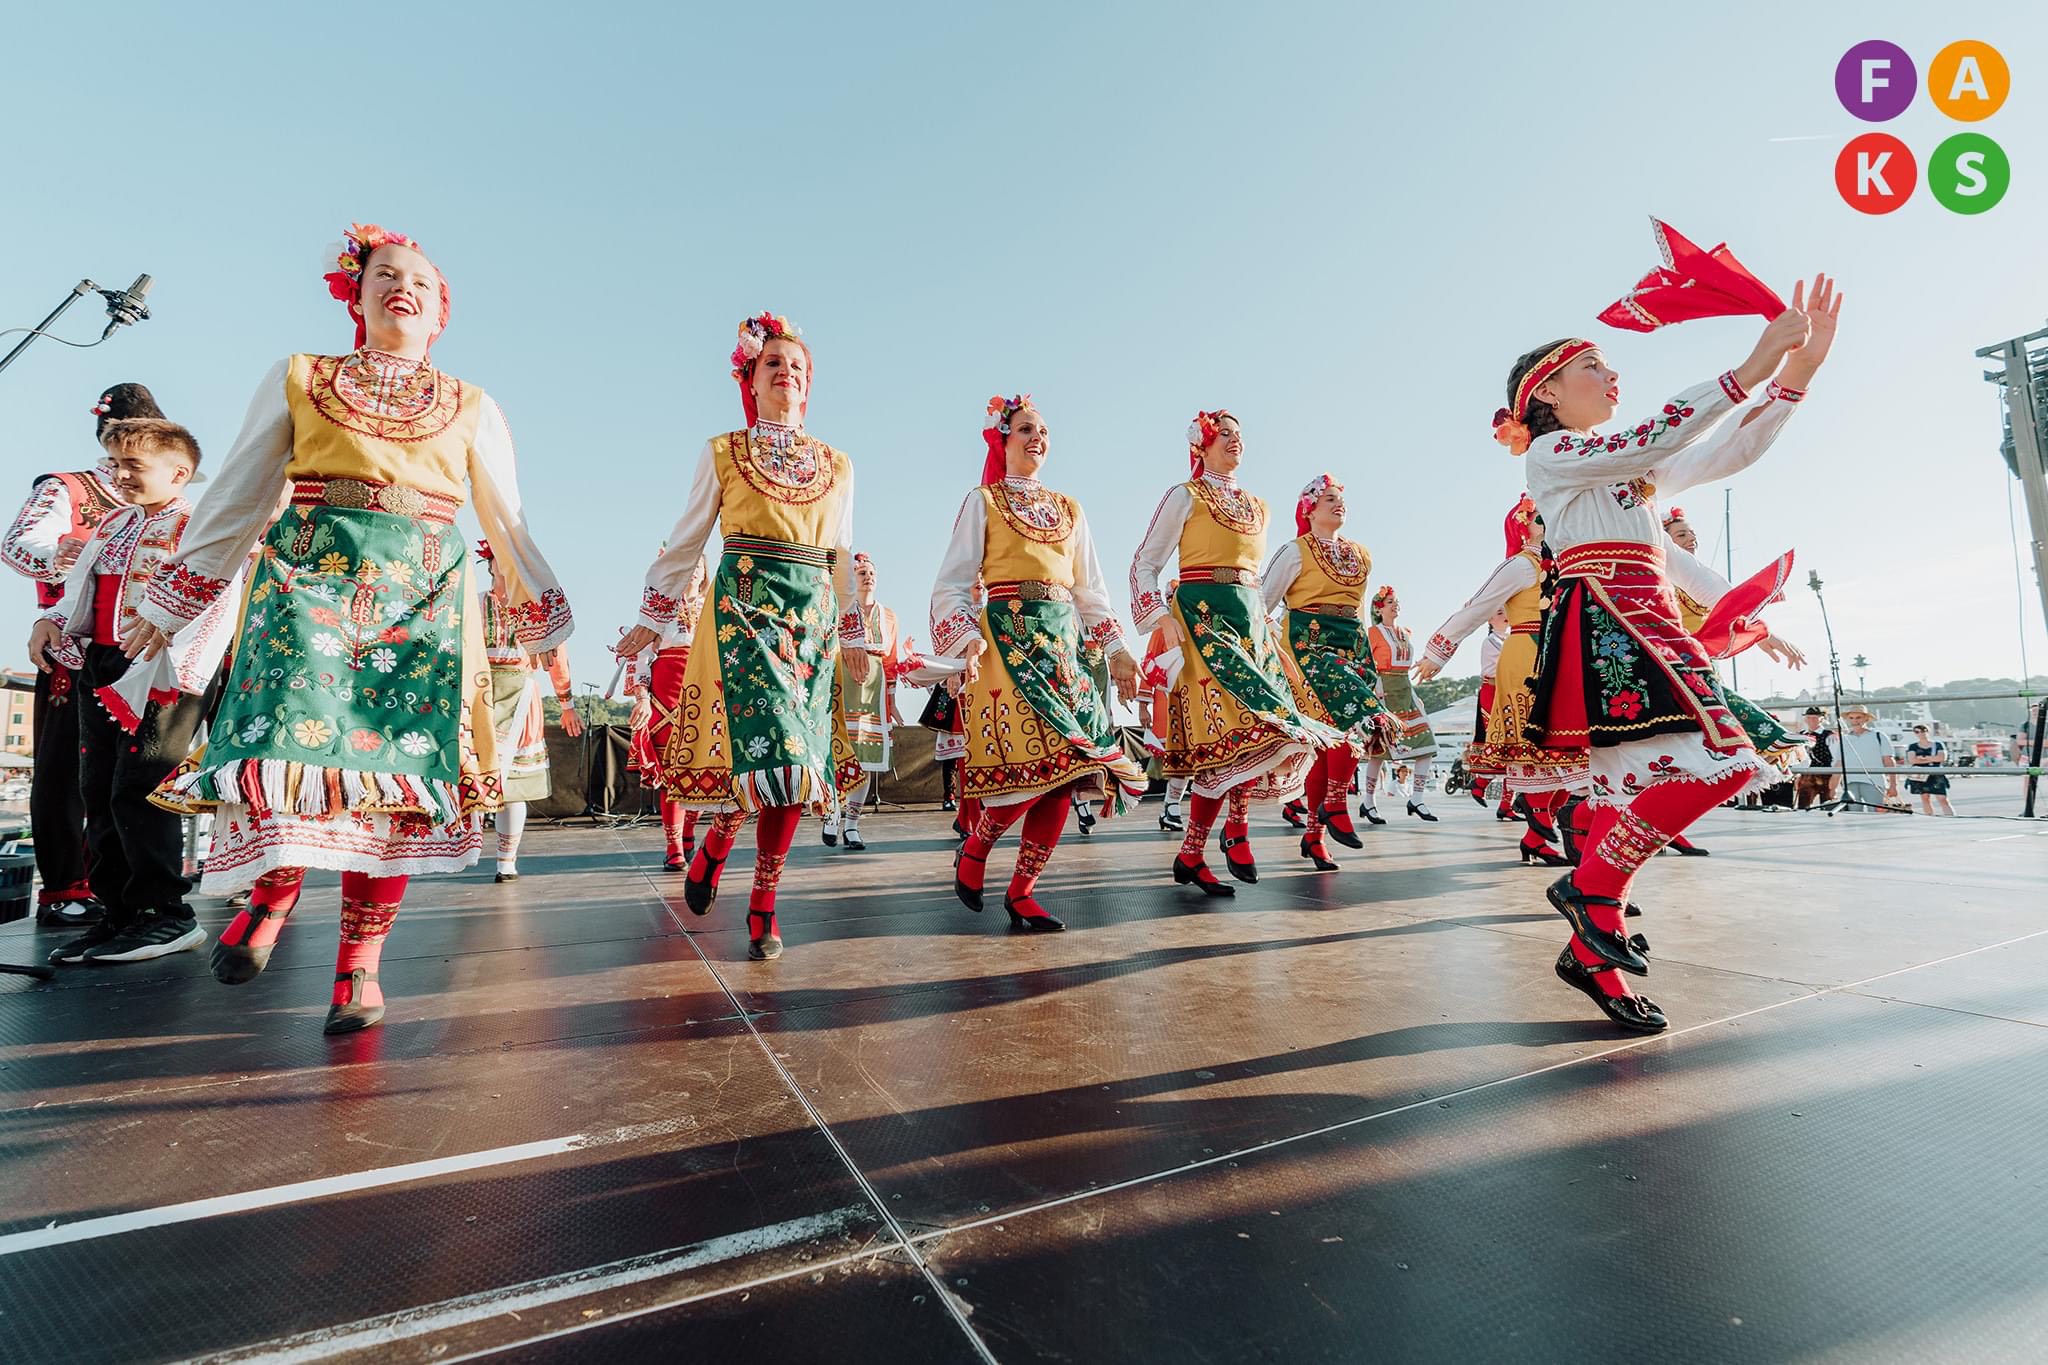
(1441, 649)
(951, 630)
(656, 610)
(180, 597)
(1107, 634)
(1730, 386)
(547, 622)
(1149, 608)
(853, 632)
(1785, 394)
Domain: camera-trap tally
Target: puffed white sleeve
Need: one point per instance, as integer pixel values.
(1504, 582)
(1732, 447)
(545, 619)
(1156, 552)
(1099, 623)
(1566, 461)
(233, 514)
(667, 581)
(1693, 576)
(31, 545)
(954, 620)
(1280, 575)
(853, 626)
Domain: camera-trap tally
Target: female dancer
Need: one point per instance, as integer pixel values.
(1232, 724)
(755, 724)
(1038, 728)
(1318, 581)
(354, 733)
(658, 682)
(516, 716)
(1541, 777)
(1618, 678)
(1413, 742)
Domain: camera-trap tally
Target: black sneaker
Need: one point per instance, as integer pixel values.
(64, 954)
(151, 936)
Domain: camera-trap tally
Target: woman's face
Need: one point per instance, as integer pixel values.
(864, 574)
(1328, 513)
(1682, 532)
(1584, 393)
(1390, 609)
(1224, 454)
(401, 302)
(782, 379)
(1029, 441)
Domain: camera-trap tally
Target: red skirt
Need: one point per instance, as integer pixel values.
(664, 693)
(1616, 664)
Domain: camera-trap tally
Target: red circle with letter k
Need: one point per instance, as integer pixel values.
(1876, 173)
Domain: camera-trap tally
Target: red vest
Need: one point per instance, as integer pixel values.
(90, 505)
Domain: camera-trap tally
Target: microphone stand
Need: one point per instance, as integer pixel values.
(123, 307)
(78, 291)
(1844, 801)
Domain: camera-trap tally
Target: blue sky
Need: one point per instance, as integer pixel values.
(1340, 224)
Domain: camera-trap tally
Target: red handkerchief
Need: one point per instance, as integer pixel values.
(1731, 628)
(1690, 284)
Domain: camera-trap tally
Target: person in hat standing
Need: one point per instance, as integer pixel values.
(1867, 757)
(1819, 740)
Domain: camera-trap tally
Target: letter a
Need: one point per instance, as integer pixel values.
(1870, 174)
(1872, 81)
(1968, 79)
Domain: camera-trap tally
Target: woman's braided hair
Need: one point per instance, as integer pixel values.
(1541, 418)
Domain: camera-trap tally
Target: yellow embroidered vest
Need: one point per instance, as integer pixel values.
(1525, 608)
(331, 439)
(793, 497)
(1690, 613)
(1332, 584)
(1225, 528)
(1030, 535)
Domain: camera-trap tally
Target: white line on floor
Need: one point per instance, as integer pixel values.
(1998, 839)
(409, 1323)
(86, 1229)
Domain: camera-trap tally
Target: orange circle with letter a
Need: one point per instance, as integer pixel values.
(1968, 80)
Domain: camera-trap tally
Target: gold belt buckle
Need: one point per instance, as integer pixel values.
(350, 493)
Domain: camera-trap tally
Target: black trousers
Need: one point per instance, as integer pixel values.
(56, 808)
(137, 850)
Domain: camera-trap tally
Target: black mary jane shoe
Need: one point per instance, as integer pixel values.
(949, 804)
(1421, 812)
(854, 842)
(1636, 1013)
(766, 947)
(507, 877)
(1316, 854)
(1040, 923)
(1295, 814)
(1371, 814)
(354, 1015)
(1170, 821)
(699, 895)
(1185, 874)
(1631, 910)
(1639, 943)
(1543, 857)
(969, 896)
(235, 964)
(1609, 945)
(1247, 871)
(1347, 837)
(1690, 850)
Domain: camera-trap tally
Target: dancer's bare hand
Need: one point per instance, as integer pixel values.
(143, 642)
(41, 641)
(858, 661)
(572, 723)
(971, 656)
(1784, 651)
(1123, 670)
(1428, 668)
(1822, 305)
(635, 641)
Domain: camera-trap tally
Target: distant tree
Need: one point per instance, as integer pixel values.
(1438, 693)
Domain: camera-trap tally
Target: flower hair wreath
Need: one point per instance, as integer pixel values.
(1002, 410)
(755, 334)
(1207, 426)
(1379, 599)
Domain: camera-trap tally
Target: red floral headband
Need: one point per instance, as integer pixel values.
(995, 429)
(1521, 524)
(1202, 433)
(1510, 425)
(1675, 514)
(1310, 496)
(352, 257)
(755, 334)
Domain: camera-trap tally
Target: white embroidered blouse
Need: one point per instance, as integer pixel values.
(955, 617)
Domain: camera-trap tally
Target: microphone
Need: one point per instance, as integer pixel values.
(127, 306)
(1813, 579)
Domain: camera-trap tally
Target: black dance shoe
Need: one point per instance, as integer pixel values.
(1611, 946)
(698, 895)
(1316, 854)
(764, 947)
(1689, 850)
(1295, 813)
(969, 896)
(1371, 813)
(1198, 874)
(1544, 857)
(1421, 811)
(354, 1015)
(1636, 1013)
(1040, 923)
(1246, 871)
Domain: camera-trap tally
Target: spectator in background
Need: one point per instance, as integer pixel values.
(1926, 751)
(1820, 753)
(1867, 755)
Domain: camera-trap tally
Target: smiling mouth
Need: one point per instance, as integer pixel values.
(401, 305)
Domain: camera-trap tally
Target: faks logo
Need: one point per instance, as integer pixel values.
(1967, 81)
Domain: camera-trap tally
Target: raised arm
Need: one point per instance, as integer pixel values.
(545, 621)
(1158, 551)
(233, 515)
(1511, 577)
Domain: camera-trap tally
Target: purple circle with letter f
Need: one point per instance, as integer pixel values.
(1875, 80)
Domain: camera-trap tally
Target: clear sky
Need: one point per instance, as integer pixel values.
(1341, 221)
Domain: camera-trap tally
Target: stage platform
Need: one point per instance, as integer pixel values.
(1345, 1117)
